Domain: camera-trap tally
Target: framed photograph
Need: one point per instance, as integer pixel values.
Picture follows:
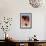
(26, 20)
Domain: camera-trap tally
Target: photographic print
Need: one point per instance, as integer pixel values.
(26, 20)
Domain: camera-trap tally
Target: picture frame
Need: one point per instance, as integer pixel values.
(25, 20)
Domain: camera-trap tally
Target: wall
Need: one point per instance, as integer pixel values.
(13, 8)
(45, 28)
